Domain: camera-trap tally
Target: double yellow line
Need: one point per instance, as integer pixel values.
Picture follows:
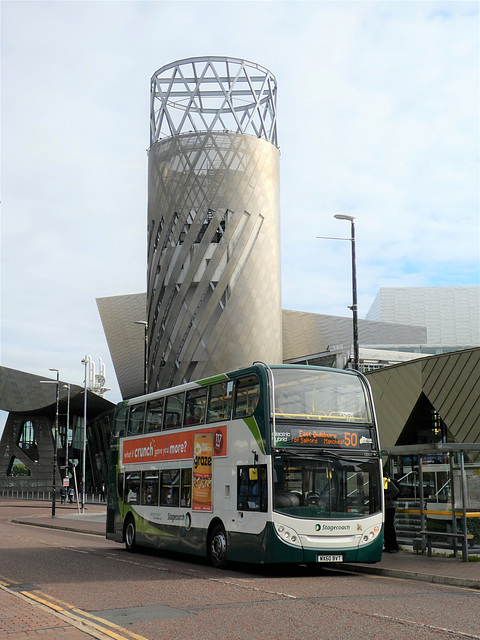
(82, 620)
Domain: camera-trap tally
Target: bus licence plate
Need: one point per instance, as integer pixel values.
(332, 558)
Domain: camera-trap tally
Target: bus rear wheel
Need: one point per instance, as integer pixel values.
(130, 535)
(217, 547)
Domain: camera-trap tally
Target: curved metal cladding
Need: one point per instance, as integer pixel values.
(213, 294)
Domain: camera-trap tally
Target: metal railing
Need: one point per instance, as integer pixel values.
(28, 494)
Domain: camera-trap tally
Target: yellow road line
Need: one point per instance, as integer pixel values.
(83, 620)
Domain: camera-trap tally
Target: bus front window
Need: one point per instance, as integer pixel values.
(325, 487)
(304, 394)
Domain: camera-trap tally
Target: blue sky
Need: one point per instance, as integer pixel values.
(378, 107)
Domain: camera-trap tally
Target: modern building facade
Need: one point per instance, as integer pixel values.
(430, 399)
(126, 339)
(213, 284)
(30, 441)
(451, 315)
(313, 338)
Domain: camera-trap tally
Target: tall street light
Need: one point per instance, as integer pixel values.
(67, 386)
(145, 354)
(55, 438)
(354, 307)
(85, 361)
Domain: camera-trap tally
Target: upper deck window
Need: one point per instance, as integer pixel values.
(154, 415)
(247, 395)
(174, 411)
(320, 395)
(220, 401)
(135, 419)
(195, 406)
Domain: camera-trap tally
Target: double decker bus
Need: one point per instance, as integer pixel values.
(267, 464)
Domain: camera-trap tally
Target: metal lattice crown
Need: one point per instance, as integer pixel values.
(213, 94)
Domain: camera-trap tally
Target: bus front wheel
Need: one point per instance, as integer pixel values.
(130, 535)
(217, 547)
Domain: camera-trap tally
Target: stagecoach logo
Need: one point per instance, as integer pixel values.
(332, 527)
(171, 517)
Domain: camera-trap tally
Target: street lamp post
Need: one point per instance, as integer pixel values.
(67, 386)
(54, 473)
(354, 307)
(85, 361)
(145, 354)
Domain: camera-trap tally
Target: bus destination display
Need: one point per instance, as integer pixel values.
(334, 437)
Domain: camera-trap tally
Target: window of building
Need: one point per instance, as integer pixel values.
(16, 468)
(26, 440)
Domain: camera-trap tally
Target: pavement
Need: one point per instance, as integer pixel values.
(21, 622)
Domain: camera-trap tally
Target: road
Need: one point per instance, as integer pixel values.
(158, 596)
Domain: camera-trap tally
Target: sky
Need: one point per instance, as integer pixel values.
(378, 106)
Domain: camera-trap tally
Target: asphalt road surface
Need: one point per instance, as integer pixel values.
(158, 596)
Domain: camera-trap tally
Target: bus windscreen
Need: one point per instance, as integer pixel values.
(320, 396)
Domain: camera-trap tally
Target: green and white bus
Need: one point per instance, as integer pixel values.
(267, 464)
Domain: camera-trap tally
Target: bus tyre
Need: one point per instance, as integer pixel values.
(130, 534)
(217, 547)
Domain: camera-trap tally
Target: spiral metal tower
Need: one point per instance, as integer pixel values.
(213, 285)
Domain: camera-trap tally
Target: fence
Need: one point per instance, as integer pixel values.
(90, 498)
(439, 503)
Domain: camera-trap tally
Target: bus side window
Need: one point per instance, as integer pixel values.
(186, 488)
(252, 488)
(150, 488)
(120, 485)
(153, 421)
(132, 488)
(136, 419)
(195, 406)
(220, 401)
(174, 411)
(121, 419)
(169, 487)
(247, 394)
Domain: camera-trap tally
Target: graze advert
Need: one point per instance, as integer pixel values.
(171, 446)
(202, 472)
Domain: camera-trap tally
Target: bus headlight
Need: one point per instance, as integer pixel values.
(370, 534)
(287, 534)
